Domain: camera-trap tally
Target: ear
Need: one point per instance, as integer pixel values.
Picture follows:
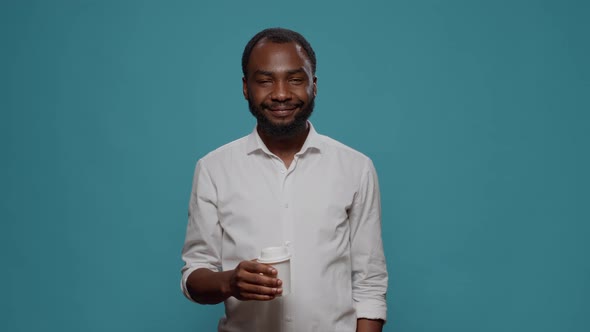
(245, 88)
(315, 86)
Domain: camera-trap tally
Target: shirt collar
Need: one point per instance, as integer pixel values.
(312, 142)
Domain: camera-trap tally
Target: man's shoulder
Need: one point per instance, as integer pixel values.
(226, 150)
(333, 146)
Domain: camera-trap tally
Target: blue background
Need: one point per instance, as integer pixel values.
(476, 114)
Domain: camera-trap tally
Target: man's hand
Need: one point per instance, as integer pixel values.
(251, 280)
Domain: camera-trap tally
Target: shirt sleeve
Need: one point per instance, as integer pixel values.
(202, 245)
(369, 271)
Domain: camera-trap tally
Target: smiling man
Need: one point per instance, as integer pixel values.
(286, 184)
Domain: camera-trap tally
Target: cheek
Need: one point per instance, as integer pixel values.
(261, 98)
(256, 95)
(305, 93)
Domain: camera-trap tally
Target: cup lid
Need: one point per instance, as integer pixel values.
(274, 254)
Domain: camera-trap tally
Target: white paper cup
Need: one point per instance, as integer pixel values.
(280, 259)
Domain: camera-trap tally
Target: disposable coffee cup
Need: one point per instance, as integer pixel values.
(280, 259)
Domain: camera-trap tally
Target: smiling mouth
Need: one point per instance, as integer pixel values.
(282, 112)
(283, 109)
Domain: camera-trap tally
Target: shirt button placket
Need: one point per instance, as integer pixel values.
(285, 192)
(285, 196)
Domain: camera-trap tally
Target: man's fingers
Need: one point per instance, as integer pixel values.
(255, 281)
(261, 293)
(256, 297)
(259, 279)
(254, 267)
(257, 289)
(257, 274)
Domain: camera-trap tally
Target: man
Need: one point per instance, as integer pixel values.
(285, 183)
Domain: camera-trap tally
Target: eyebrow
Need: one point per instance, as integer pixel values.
(270, 73)
(263, 72)
(295, 71)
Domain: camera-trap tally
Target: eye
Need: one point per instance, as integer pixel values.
(264, 82)
(296, 81)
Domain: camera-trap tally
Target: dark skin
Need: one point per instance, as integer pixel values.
(250, 280)
(280, 80)
(280, 75)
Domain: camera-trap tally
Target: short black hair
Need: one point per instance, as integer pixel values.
(280, 36)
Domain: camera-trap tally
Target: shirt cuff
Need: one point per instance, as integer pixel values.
(371, 309)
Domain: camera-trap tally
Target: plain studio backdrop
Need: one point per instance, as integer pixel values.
(475, 113)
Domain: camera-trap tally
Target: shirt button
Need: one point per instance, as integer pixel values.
(282, 171)
(286, 205)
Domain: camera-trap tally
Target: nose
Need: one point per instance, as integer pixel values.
(280, 92)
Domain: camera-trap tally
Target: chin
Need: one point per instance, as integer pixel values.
(279, 123)
(282, 127)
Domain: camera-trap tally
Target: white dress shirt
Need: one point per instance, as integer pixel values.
(326, 205)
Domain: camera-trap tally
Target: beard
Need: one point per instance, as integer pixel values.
(282, 130)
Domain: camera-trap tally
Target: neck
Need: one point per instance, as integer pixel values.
(285, 147)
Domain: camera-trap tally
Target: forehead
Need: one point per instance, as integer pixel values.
(270, 56)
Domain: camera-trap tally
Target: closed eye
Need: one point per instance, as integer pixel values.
(296, 81)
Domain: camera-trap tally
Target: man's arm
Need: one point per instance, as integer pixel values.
(203, 279)
(369, 271)
(248, 281)
(208, 287)
(369, 325)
